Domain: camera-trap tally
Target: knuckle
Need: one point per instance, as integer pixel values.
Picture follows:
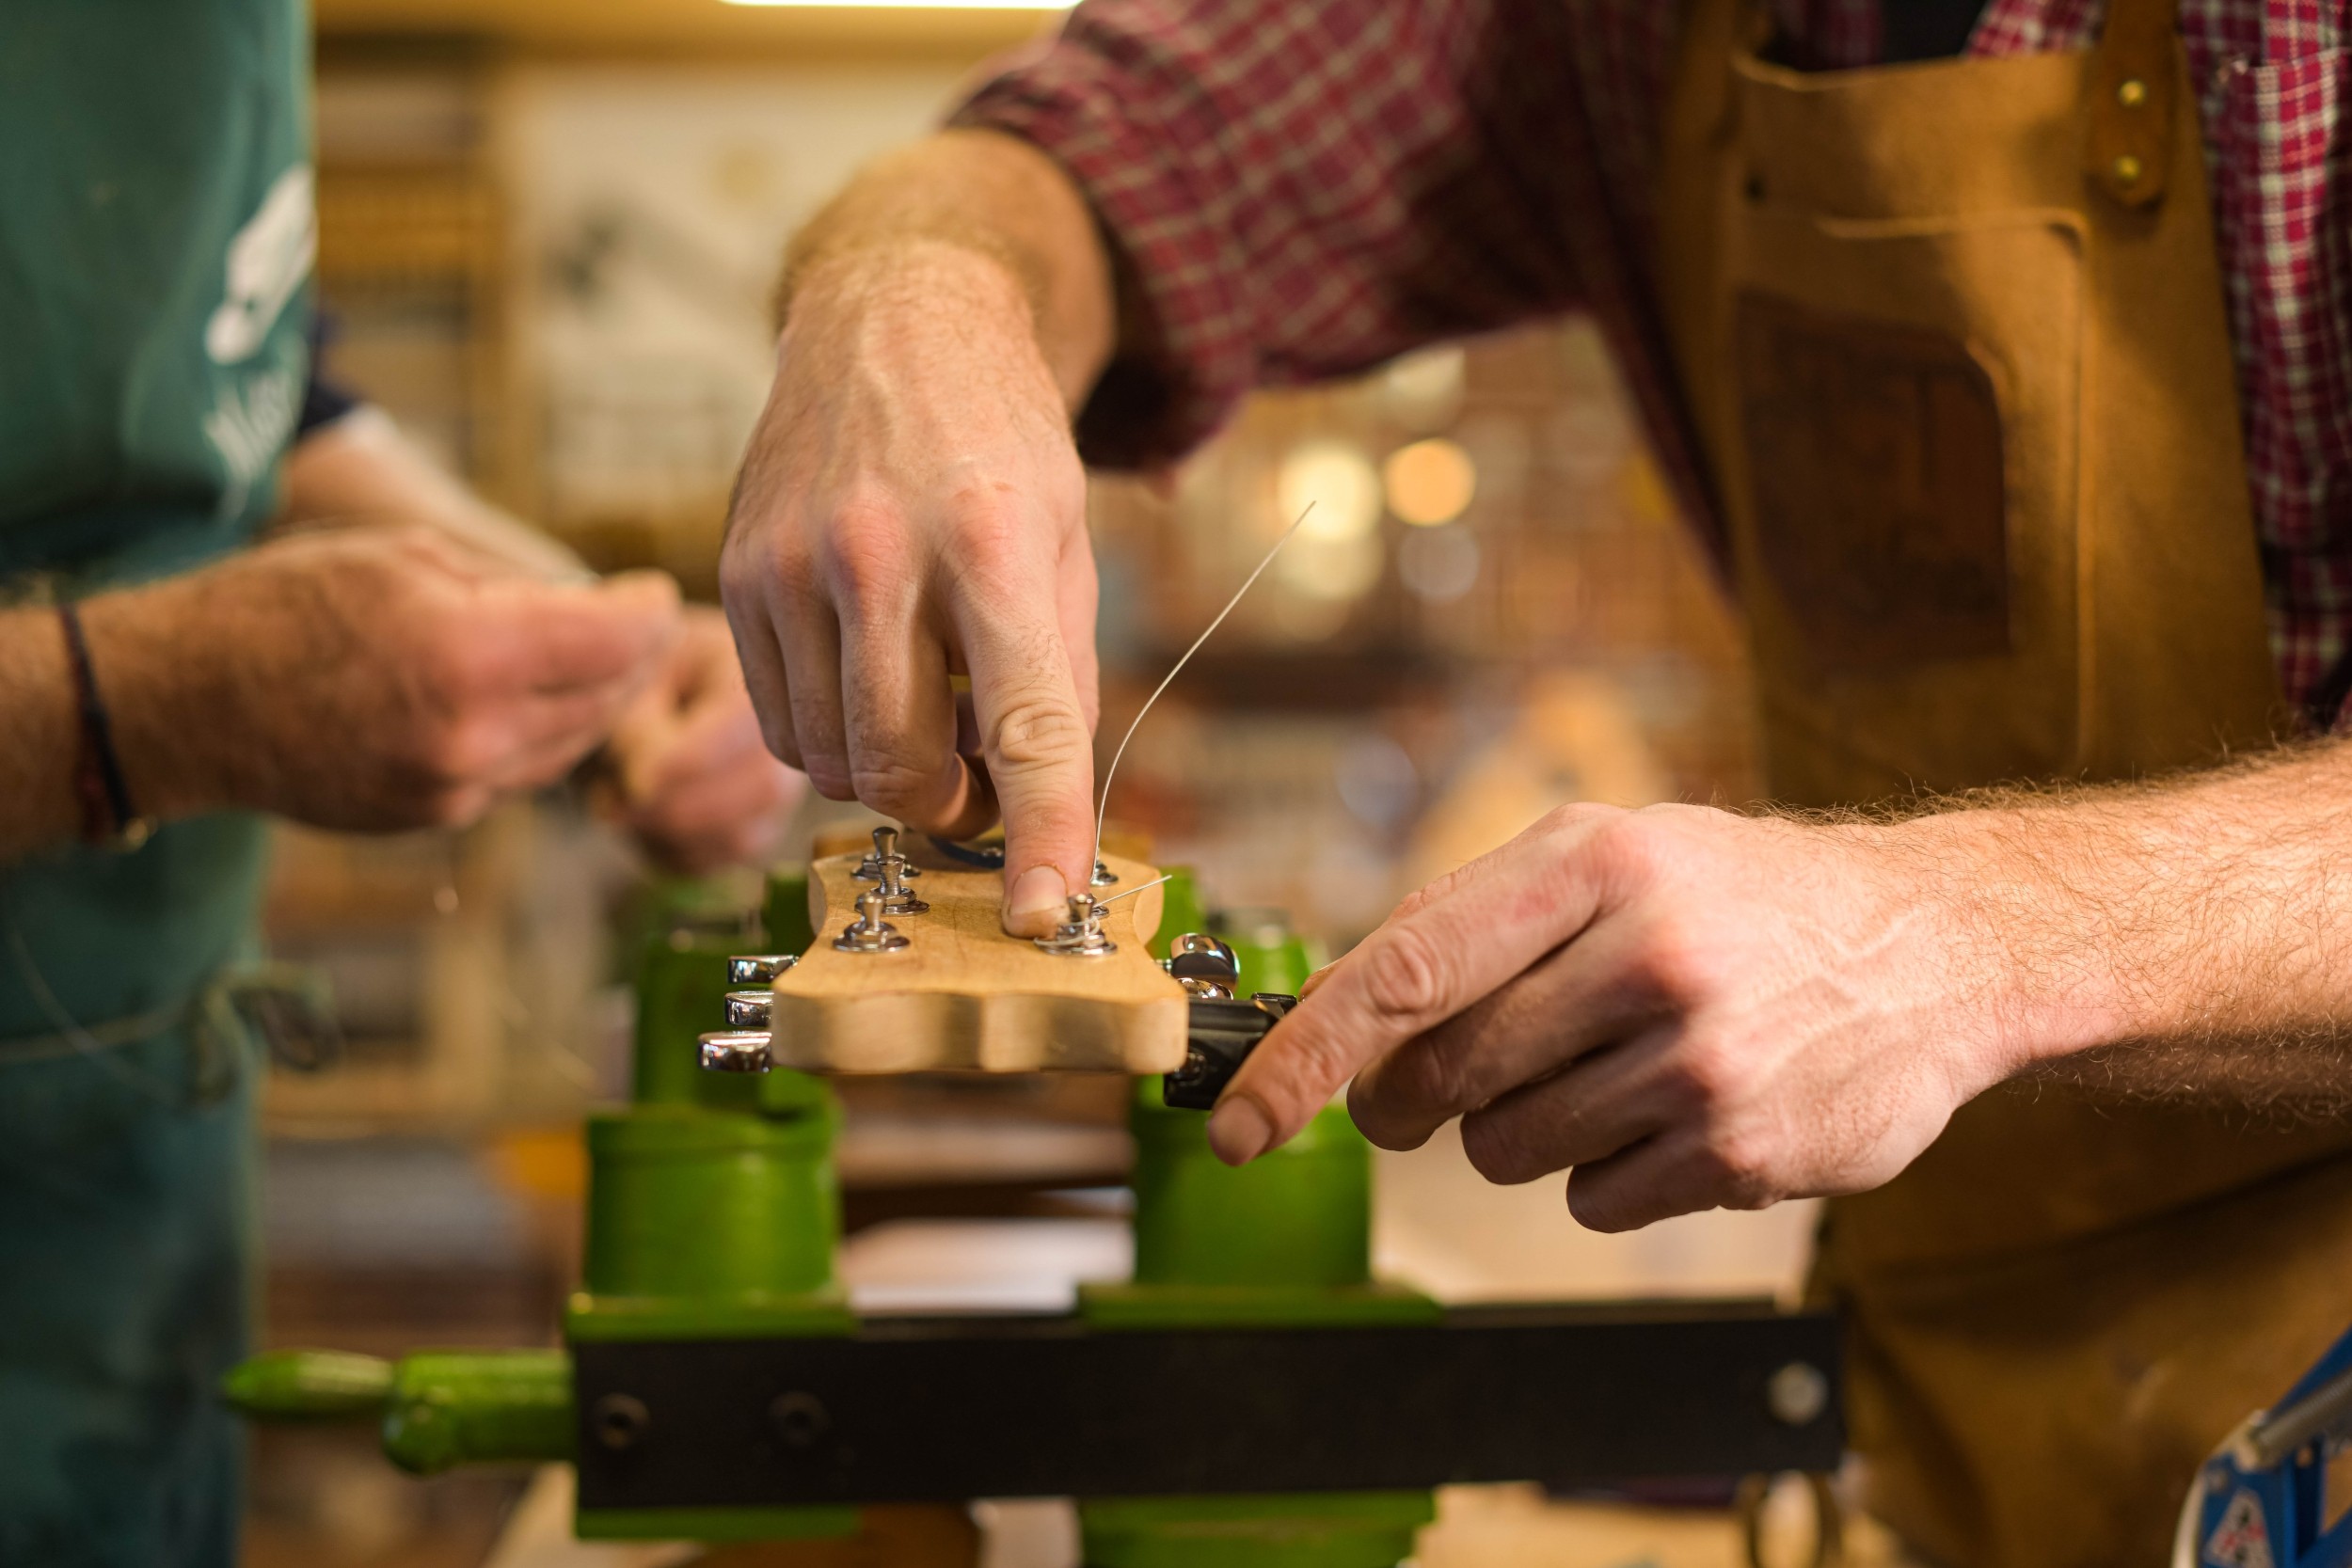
(1314, 1061)
(1678, 963)
(829, 777)
(1705, 1075)
(1404, 980)
(867, 551)
(1740, 1163)
(1574, 816)
(452, 752)
(1630, 848)
(1038, 729)
(893, 782)
(986, 520)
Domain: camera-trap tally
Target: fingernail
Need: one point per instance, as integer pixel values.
(1040, 891)
(1307, 987)
(1239, 1132)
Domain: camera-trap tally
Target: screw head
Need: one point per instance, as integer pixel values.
(800, 1419)
(2128, 169)
(1797, 1393)
(619, 1422)
(2131, 93)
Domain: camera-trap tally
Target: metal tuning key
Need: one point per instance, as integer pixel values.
(896, 897)
(886, 849)
(736, 1051)
(750, 1009)
(758, 969)
(1104, 874)
(870, 932)
(1080, 934)
(1203, 966)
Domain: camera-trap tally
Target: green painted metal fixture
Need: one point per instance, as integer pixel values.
(1350, 1529)
(1285, 1242)
(708, 1224)
(439, 1409)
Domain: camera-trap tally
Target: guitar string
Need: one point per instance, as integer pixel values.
(1106, 903)
(1102, 813)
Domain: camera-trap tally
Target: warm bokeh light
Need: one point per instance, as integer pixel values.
(1430, 481)
(1339, 479)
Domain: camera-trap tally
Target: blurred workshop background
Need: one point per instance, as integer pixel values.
(547, 233)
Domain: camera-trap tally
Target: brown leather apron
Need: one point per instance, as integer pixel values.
(1953, 342)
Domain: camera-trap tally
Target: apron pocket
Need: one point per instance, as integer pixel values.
(1904, 489)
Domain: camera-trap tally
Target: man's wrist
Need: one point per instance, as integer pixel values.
(166, 695)
(954, 290)
(2014, 946)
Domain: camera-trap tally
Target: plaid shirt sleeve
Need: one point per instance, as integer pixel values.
(1296, 189)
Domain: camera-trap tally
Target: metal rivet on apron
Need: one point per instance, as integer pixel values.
(2128, 169)
(2132, 94)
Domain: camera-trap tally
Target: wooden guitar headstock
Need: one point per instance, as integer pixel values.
(958, 993)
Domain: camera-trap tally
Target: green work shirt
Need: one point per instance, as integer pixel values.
(156, 238)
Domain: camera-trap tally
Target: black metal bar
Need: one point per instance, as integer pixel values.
(940, 1409)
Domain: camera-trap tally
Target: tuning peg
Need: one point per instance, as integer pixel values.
(1220, 1034)
(758, 969)
(886, 849)
(736, 1051)
(748, 1010)
(1080, 934)
(870, 932)
(1204, 965)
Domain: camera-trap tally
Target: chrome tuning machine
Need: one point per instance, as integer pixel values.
(870, 932)
(1080, 934)
(885, 850)
(1220, 1029)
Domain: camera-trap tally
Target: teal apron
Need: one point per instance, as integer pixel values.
(155, 245)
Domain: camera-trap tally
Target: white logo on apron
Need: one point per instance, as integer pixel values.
(268, 262)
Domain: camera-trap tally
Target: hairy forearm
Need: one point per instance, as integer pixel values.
(152, 669)
(964, 221)
(2186, 937)
(38, 730)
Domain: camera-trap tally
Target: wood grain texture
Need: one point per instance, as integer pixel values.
(964, 995)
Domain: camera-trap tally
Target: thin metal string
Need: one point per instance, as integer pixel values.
(1102, 813)
(1105, 903)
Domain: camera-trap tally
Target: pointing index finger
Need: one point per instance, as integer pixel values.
(1440, 953)
(1039, 753)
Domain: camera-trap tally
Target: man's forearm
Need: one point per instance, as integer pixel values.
(37, 734)
(149, 671)
(916, 225)
(361, 470)
(2191, 936)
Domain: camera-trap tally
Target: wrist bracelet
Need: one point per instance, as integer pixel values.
(107, 816)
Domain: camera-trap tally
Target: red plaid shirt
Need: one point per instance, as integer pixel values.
(1304, 189)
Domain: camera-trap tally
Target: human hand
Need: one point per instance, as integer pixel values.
(689, 775)
(1691, 1009)
(912, 508)
(368, 678)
